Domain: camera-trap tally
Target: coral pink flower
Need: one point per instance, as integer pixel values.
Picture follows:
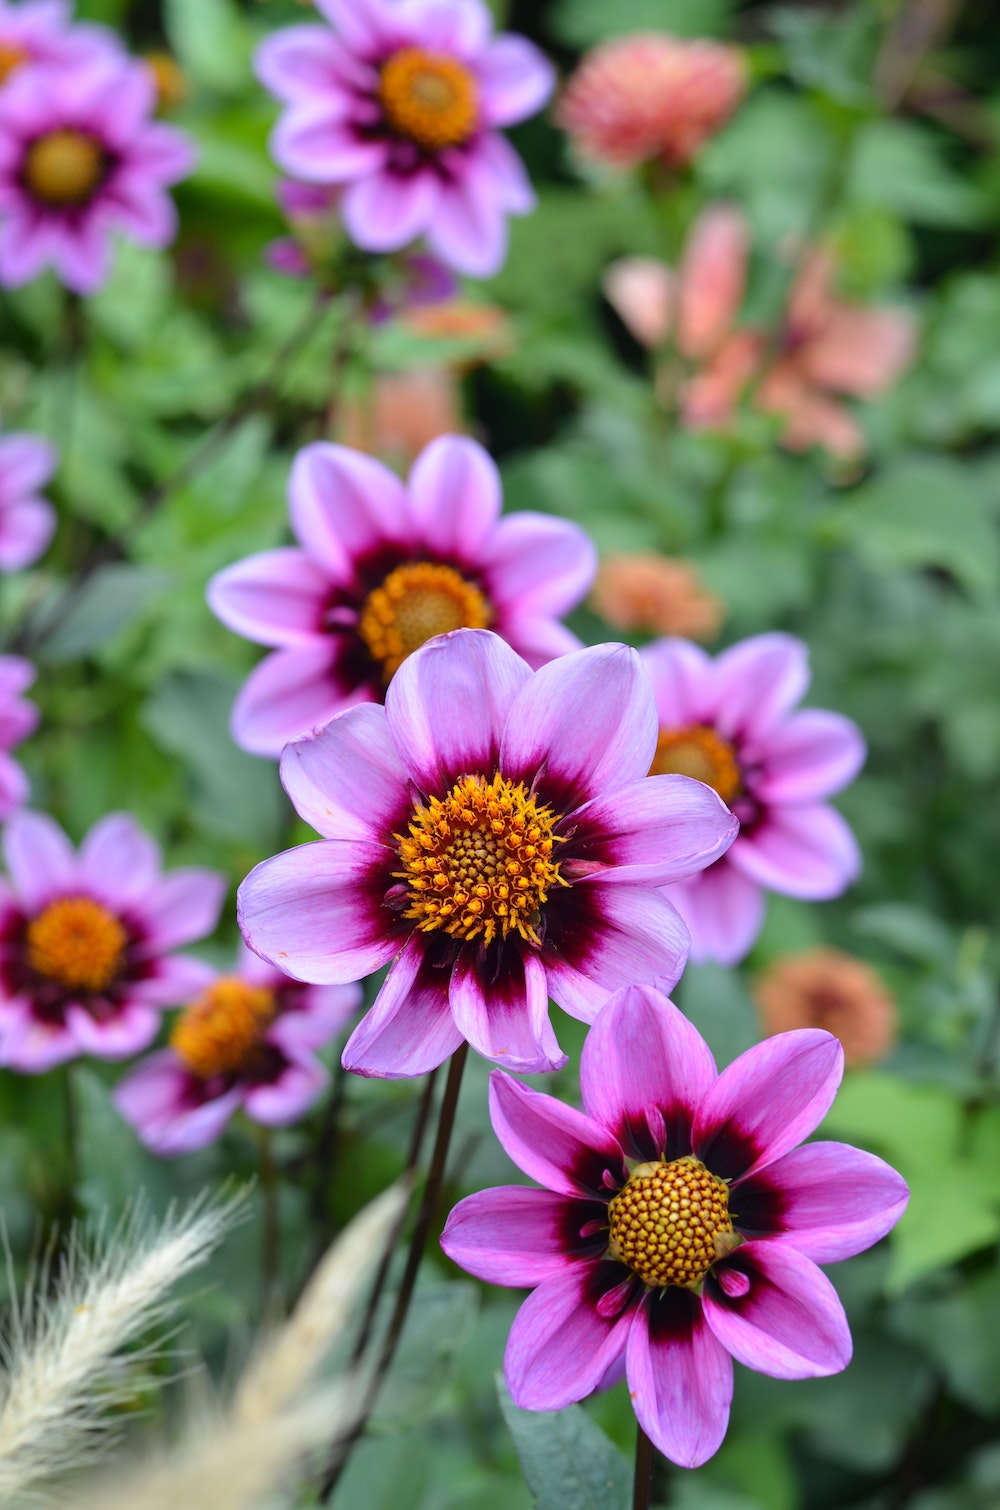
(401, 102)
(18, 719)
(247, 1041)
(680, 1225)
(728, 722)
(27, 520)
(492, 832)
(383, 567)
(81, 157)
(656, 595)
(86, 937)
(650, 96)
(826, 988)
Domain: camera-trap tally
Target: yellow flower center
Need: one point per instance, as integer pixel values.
(220, 1033)
(412, 605)
(63, 168)
(78, 943)
(11, 59)
(479, 863)
(671, 1223)
(429, 99)
(699, 752)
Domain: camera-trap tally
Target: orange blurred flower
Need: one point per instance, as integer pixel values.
(485, 327)
(826, 988)
(172, 87)
(402, 414)
(657, 595)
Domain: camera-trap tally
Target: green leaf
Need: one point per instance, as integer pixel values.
(900, 166)
(568, 1462)
(959, 1331)
(584, 22)
(212, 41)
(115, 597)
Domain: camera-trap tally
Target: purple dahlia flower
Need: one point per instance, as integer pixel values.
(728, 722)
(27, 521)
(493, 833)
(680, 1225)
(383, 567)
(18, 719)
(247, 1041)
(80, 157)
(401, 102)
(42, 31)
(86, 939)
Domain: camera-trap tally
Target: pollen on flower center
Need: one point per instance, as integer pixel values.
(219, 1034)
(63, 168)
(11, 59)
(671, 1223)
(78, 943)
(699, 752)
(478, 864)
(428, 98)
(412, 605)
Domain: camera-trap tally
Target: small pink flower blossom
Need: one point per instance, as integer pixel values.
(402, 103)
(651, 97)
(86, 940)
(18, 719)
(665, 1138)
(247, 1042)
(492, 832)
(380, 569)
(43, 31)
(27, 520)
(81, 157)
(728, 722)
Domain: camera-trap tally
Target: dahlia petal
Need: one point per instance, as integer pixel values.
(26, 464)
(861, 351)
(537, 641)
(318, 1015)
(534, 565)
(806, 851)
(173, 980)
(455, 496)
(560, 1347)
(291, 692)
(827, 1200)
(811, 756)
(789, 1323)
(347, 779)
(682, 678)
(162, 152)
(448, 703)
(468, 231)
(316, 914)
(361, 23)
(316, 144)
(642, 292)
(711, 280)
(302, 60)
(680, 1377)
(507, 1019)
(516, 80)
(26, 245)
(276, 598)
(18, 719)
(385, 211)
(757, 681)
(118, 861)
(509, 185)
(39, 858)
(82, 255)
(643, 1053)
(131, 1029)
(556, 1145)
(767, 1101)
(139, 209)
(180, 908)
(461, 28)
(31, 1046)
(162, 1101)
(600, 938)
(286, 1098)
(410, 1029)
(26, 528)
(657, 830)
(344, 505)
(512, 1235)
(14, 786)
(16, 675)
(724, 912)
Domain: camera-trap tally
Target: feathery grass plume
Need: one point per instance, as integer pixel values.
(59, 1364)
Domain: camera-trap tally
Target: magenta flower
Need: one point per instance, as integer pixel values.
(42, 31)
(18, 719)
(492, 832)
(80, 157)
(86, 937)
(247, 1041)
(27, 521)
(727, 722)
(680, 1225)
(384, 567)
(401, 103)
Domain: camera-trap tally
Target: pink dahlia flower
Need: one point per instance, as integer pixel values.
(42, 31)
(383, 567)
(401, 102)
(493, 833)
(27, 521)
(729, 723)
(248, 1041)
(86, 940)
(80, 157)
(647, 97)
(680, 1225)
(18, 719)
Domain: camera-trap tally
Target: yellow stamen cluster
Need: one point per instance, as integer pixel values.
(77, 943)
(219, 1034)
(63, 168)
(430, 99)
(479, 862)
(412, 605)
(671, 1223)
(699, 752)
(11, 59)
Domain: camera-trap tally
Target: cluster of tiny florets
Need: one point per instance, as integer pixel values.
(671, 1222)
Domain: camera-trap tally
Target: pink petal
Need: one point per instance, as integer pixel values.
(811, 756)
(502, 176)
(537, 641)
(16, 675)
(861, 351)
(560, 1347)
(27, 240)
(132, 1029)
(347, 780)
(313, 141)
(600, 938)
(361, 23)
(556, 1145)
(468, 231)
(25, 531)
(40, 859)
(14, 786)
(462, 28)
(172, 981)
(318, 1015)
(682, 675)
(515, 1236)
(455, 497)
(711, 280)
(680, 1378)
(789, 1323)
(724, 912)
(31, 1046)
(161, 152)
(292, 692)
(275, 1103)
(180, 908)
(139, 209)
(506, 1019)
(767, 1101)
(657, 830)
(276, 598)
(410, 1029)
(160, 1099)
(757, 681)
(303, 60)
(534, 565)
(26, 463)
(344, 506)
(385, 211)
(516, 80)
(804, 851)
(118, 861)
(642, 292)
(82, 255)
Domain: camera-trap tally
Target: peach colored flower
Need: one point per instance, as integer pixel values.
(485, 327)
(658, 595)
(826, 988)
(404, 412)
(650, 96)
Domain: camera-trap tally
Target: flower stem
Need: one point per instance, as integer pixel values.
(343, 1446)
(643, 1470)
(270, 1240)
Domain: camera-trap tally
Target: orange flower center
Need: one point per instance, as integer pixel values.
(415, 603)
(220, 1033)
(11, 59)
(428, 98)
(78, 943)
(63, 168)
(671, 1223)
(479, 863)
(701, 753)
